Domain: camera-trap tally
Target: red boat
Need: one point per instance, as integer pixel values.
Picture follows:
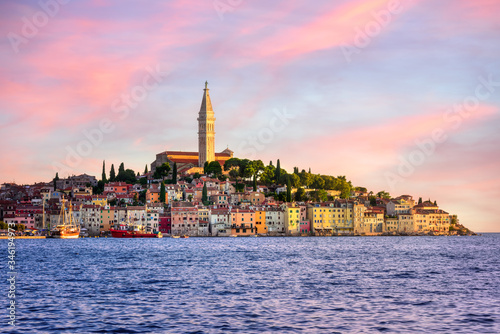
(131, 231)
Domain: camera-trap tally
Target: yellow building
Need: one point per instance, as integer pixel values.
(101, 200)
(321, 219)
(391, 224)
(260, 221)
(358, 218)
(292, 220)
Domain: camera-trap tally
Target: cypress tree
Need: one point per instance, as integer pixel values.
(204, 196)
(162, 192)
(121, 169)
(254, 183)
(288, 190)
(278, 171)
(55, 181)
(146, 169)
(112, 174)
(174, 174)
(103, 177)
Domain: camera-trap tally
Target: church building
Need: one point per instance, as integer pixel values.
(192, 162)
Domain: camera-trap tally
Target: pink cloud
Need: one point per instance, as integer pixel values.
(333, 29)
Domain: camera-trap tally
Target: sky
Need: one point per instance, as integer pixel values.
(399, 95)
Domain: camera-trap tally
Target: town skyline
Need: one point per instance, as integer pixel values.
(312, 103)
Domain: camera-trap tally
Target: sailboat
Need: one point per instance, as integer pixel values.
(66, 227)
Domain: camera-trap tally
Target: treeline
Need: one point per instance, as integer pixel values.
(275, 175)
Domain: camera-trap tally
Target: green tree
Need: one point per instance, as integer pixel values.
(174, 174)
(283, 176)
(246, 168)
(204, 194)
(305, 178)
(254, 183)
(162, 192)
(345, 189)
(300, 194)
(230, 163)
(278, 171)
(420, 200)
(127, 176)
(280, 197)
(435, 203)
(55, 181)
(112, 174)
(317, 182)
(322, 195)
(205, 168)
(103, 176)
(146, 169)
(373, 201)
(288, 190)
(121, 168)
(233, 174)
(267, 176)
(213, 168)
(162, 171)
(97, 190)
(383, 194)
(196, 175)
(142, 196)
(136, 199)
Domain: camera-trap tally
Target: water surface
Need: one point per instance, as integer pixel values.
(254, 285)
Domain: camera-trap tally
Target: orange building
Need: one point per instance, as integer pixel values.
(243, 222)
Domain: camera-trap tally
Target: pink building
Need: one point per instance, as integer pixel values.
(184, 219)
(305, 226)
(166, 223)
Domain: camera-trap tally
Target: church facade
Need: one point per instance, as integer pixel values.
(188, 162)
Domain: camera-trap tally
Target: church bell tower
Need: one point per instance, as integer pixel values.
(206, 130)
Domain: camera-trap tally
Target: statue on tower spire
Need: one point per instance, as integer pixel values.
(206, 84)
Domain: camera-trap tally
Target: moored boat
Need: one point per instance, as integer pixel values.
(66, 227)
(133, 231)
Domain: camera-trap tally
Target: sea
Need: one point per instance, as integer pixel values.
(254, 285)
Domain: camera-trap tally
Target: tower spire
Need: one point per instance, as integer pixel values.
(206, 130)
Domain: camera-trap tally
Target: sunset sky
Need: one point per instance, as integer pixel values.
(402, 96)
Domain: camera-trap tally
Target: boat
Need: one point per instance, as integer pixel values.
(184, 236)
(66, 227)
(175, 236)
(84, 233)
(130, 230)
